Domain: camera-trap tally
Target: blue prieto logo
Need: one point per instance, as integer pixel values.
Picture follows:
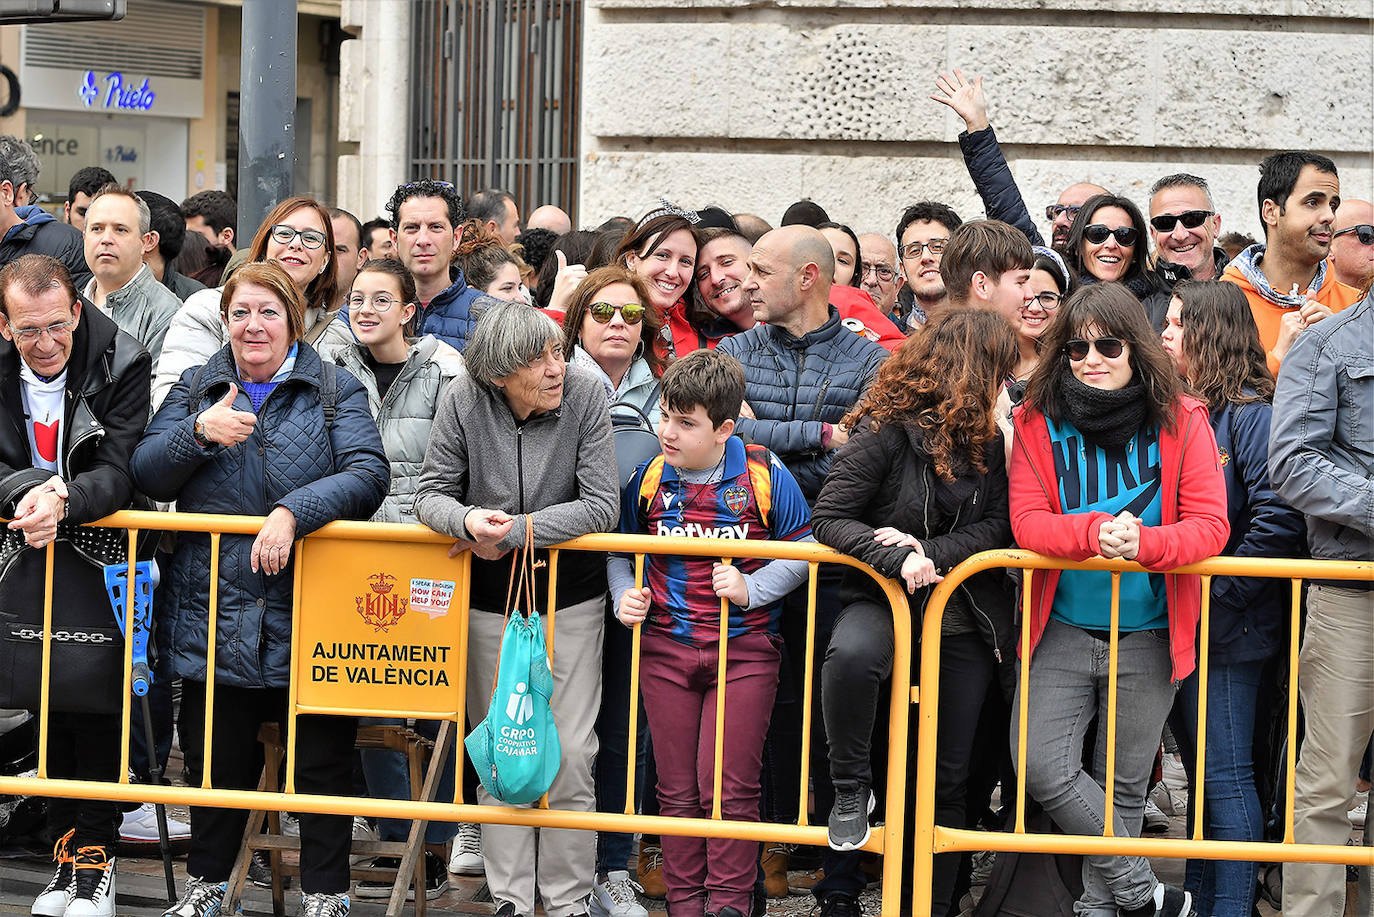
(88, 90)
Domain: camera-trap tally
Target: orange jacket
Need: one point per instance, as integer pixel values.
(1333, 294)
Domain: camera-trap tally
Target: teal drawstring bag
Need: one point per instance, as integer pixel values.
(515, 748)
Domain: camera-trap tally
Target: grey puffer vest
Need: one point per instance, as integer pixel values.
(405, 415)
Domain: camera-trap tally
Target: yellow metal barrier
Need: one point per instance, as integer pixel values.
(931, 839)
(346, 577)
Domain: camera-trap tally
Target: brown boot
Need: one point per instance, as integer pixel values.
(774, 861)
(650, 869)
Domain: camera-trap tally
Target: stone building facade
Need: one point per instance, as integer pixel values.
(753, 104)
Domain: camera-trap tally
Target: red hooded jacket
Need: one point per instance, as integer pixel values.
(1194, 521)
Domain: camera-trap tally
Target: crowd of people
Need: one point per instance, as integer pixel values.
(1128, 390)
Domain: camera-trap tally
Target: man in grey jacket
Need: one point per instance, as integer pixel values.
(118, 234)
(1321, 459)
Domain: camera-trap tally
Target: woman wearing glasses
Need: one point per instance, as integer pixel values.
(263, 428)
(605, 329)
(298, 235)
(1110, 459)
(403, 376)
(1107, 241)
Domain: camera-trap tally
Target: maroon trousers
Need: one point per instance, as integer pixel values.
(679, 687)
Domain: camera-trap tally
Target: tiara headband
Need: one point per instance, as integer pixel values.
(668, 208)
(1045, 252)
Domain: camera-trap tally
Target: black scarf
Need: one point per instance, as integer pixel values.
(1105, 418)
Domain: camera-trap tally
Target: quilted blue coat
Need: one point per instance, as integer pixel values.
(320, 472)
(796, 385)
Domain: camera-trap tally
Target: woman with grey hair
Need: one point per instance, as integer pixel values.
(519, 433)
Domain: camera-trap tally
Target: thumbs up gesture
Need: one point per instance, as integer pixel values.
(221, 423)
(565, 282)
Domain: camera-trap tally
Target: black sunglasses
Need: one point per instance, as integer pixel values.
(1097, 234)
(1364, 232)
(1191, 219)
(1077, 349)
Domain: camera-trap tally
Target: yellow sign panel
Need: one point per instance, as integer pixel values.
(381, 626)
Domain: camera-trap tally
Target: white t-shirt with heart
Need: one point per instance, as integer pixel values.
(44, 411)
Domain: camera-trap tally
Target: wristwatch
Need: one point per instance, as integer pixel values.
(198, 431)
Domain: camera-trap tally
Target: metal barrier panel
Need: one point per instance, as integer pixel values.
(931, 839)
(380, 629)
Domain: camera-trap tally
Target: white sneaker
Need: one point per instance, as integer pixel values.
(467, 852)
(201, 899)
(1358, 812)
(362, 831)
(92, 892)
(1174, 775)
(1163, 799)
(52, 900)
(1156, 822)
(140, 827)
(616, 896)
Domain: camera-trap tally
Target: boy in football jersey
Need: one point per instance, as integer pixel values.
(708, 484)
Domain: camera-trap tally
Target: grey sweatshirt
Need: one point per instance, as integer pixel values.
(559, 467)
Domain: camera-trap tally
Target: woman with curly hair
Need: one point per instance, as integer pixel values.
(1211, 335)
(920, 486)
(1111, 459)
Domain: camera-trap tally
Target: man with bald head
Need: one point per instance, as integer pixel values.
(988, 167)
(882, 271)
(1352, 244)
(551, 217)
(805, 369)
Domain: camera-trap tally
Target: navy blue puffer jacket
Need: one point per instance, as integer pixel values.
(450, 315)
(798, 384)
(293, 459)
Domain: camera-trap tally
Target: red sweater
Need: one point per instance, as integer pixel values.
(1194, 522)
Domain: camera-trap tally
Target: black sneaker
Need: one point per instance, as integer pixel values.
(838, 904)
(378, 888)
(848, 822)
(1167, 902)
(436, 878)
(260, 870)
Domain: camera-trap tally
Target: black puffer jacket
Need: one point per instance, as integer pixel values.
(1167, 275)
(993, 181)
(887, 478)
(796, 385)
(108, 384)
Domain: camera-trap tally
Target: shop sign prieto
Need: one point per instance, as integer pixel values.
(113, 91)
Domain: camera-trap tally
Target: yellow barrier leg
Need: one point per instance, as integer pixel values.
(1290, 777)
(808, 692)
(718, 772)
(1204, 658)
(1111, 707)
(1023, 713)
(45, 686)
(632, 738)
(127, 707)
(211, 613)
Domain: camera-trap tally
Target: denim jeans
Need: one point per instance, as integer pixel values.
(1068, 690)
(613, 848)
(388, 777)
(1223, 888)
